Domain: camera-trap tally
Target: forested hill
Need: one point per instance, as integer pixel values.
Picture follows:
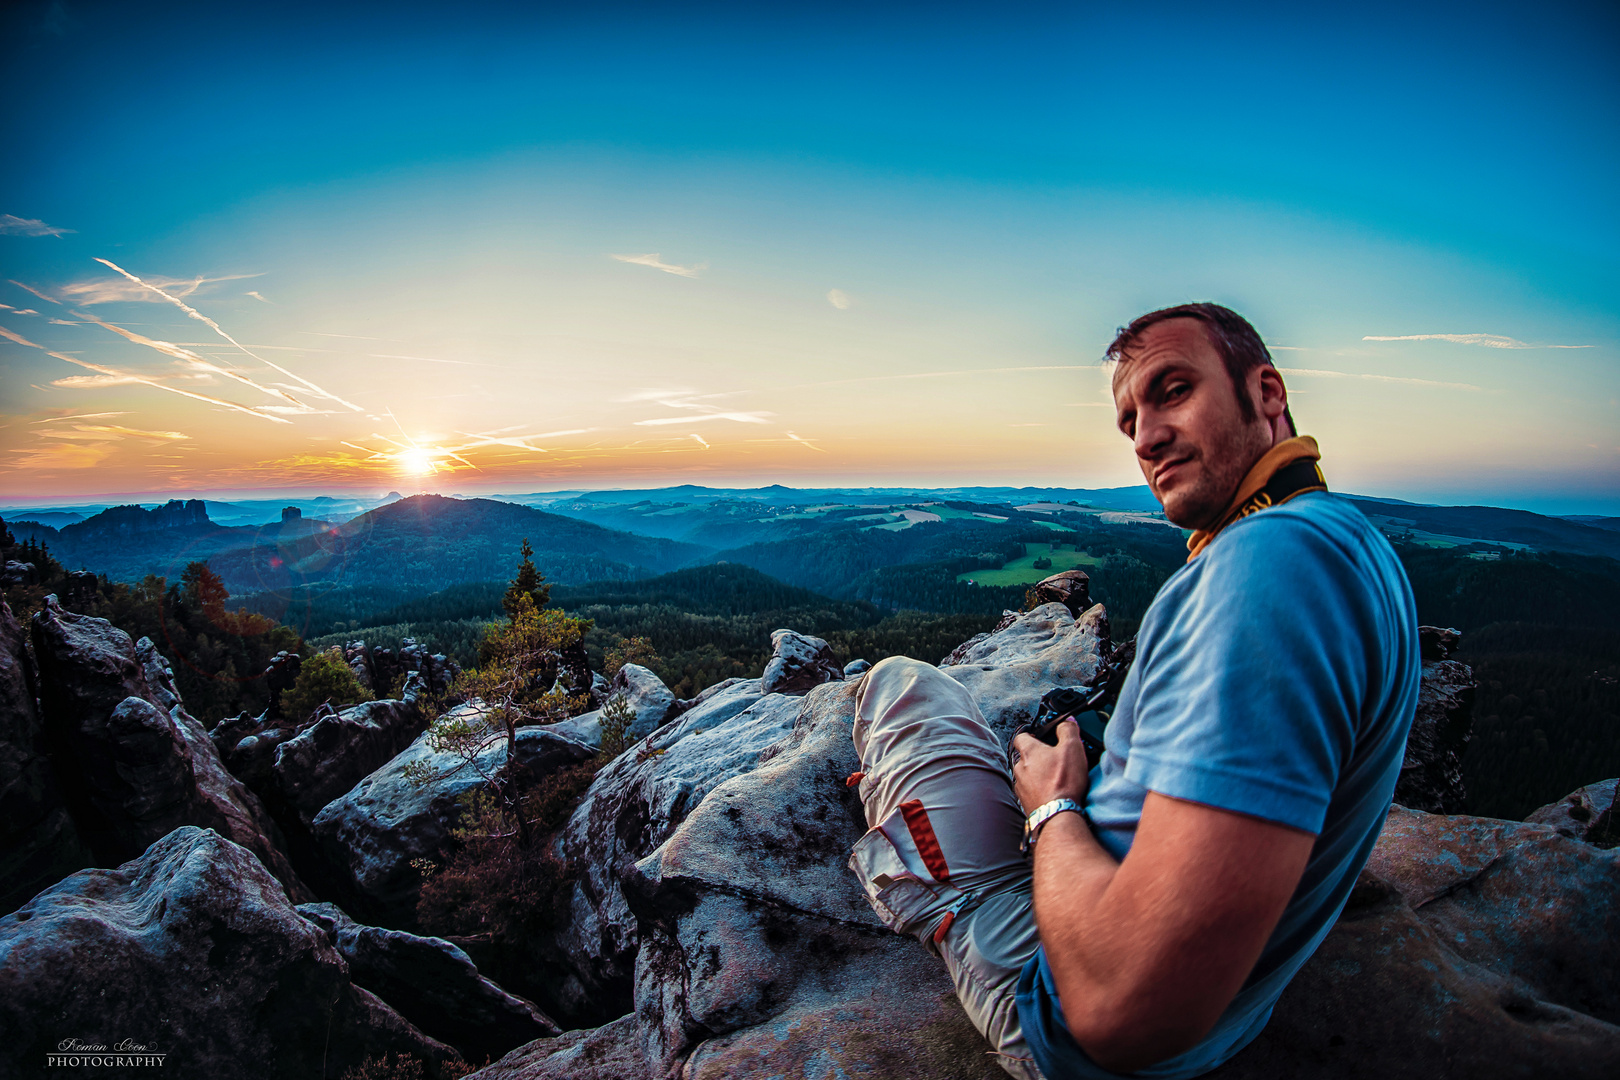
(432, 541)
(424, 542)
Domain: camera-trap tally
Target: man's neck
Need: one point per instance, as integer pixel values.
(1288, 469)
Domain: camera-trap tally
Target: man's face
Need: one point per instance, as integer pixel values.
(1174, 399)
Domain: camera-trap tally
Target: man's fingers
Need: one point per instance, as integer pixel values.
(1067, 730)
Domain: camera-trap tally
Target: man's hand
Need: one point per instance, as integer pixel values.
(1043, 773)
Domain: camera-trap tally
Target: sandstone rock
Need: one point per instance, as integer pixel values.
(432, 984)
(1009, 670)
(132, 763)
(279, 676)
(652, 702)
(634, 804)
(326, 759)
(39, 844)
(370, 834)
(1431, 772)
(194, 951)
(856, 668)
(798, 662)
(1071, 588)
(1471, 947)
(610, 1052)
(1587, 813)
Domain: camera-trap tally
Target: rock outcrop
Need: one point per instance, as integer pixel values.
(1071, 588)
(798, 663)
(39, 844)
(651, 702)
(1431, 775)
(194, 951)
(750, 758)
(1589, 813)
(433, 984)
(131, 762)
(380, 670)
(328, 758)
(405, 810)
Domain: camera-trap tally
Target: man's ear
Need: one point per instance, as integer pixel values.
(1272, 394)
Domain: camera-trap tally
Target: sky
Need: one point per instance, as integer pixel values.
(512, 248)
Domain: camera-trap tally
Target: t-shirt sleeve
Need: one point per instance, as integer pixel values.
(1250, 701)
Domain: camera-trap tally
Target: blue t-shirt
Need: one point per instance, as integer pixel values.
(1276, 676)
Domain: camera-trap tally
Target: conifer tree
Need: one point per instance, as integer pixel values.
(529, 582)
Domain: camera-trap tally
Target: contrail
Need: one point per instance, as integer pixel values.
(36, 292)
(699, 440)
(168, 348)
(148, 382)
(215, 327)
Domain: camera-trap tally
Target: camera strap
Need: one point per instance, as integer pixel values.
(1287, 470)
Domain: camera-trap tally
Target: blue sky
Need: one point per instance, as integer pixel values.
(890, 244)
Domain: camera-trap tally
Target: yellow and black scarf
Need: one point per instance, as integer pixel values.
(1290, 468)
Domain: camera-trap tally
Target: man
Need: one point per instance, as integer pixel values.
(1176, 888)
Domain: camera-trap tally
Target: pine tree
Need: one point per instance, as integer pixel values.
(529, 582)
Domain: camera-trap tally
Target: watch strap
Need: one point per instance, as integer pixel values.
(1041, 815)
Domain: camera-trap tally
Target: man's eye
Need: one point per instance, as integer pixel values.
(1175, 390)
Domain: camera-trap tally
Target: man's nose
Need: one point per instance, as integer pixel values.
(1153, 435)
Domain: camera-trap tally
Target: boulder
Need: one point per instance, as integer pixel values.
(192, 951)
(432, 984)
(1431, 774)
(39, 844)
(652, 702)
(856, 668)
(329, 757)
(279, 676)
(636, 801)
(1470, 947)
(1587, 813)
(798, 662)
(610, 1052)
(132, 763)
(1071, 588)
(405, 810)
(1011, 669)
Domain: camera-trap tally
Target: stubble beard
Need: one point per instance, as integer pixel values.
(1199, 502)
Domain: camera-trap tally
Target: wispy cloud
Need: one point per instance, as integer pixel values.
(839, 299)
(109, 291)
(169, 348)
(122, 376)
(736, 417)
(113, 431)
(1489, 341)
(82, 416)
(60, 456)
(256, 295)
(804, 442)
(36, 292)
(12, 225)
(1317, 373)
(215, 327)
(695, 437)
(659, 264)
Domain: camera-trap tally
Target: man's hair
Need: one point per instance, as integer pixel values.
(1236, 342)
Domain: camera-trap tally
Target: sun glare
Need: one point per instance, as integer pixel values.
(415, 462)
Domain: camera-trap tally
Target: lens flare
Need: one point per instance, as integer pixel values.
(415, 462)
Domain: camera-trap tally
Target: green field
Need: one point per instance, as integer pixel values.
(1022, 571)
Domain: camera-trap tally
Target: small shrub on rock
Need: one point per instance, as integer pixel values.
(324, 679)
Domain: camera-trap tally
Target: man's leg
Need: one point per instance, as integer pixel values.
(937, 776)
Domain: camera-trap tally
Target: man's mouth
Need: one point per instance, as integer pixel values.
(1169, 471)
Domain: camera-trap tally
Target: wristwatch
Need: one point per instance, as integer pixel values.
(1041, 815)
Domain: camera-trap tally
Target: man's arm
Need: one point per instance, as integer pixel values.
(1147, 953)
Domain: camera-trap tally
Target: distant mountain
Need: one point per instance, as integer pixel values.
(425, 542)
(430, 541)
(1492, 523)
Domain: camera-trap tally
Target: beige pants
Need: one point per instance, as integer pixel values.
(940, 859)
